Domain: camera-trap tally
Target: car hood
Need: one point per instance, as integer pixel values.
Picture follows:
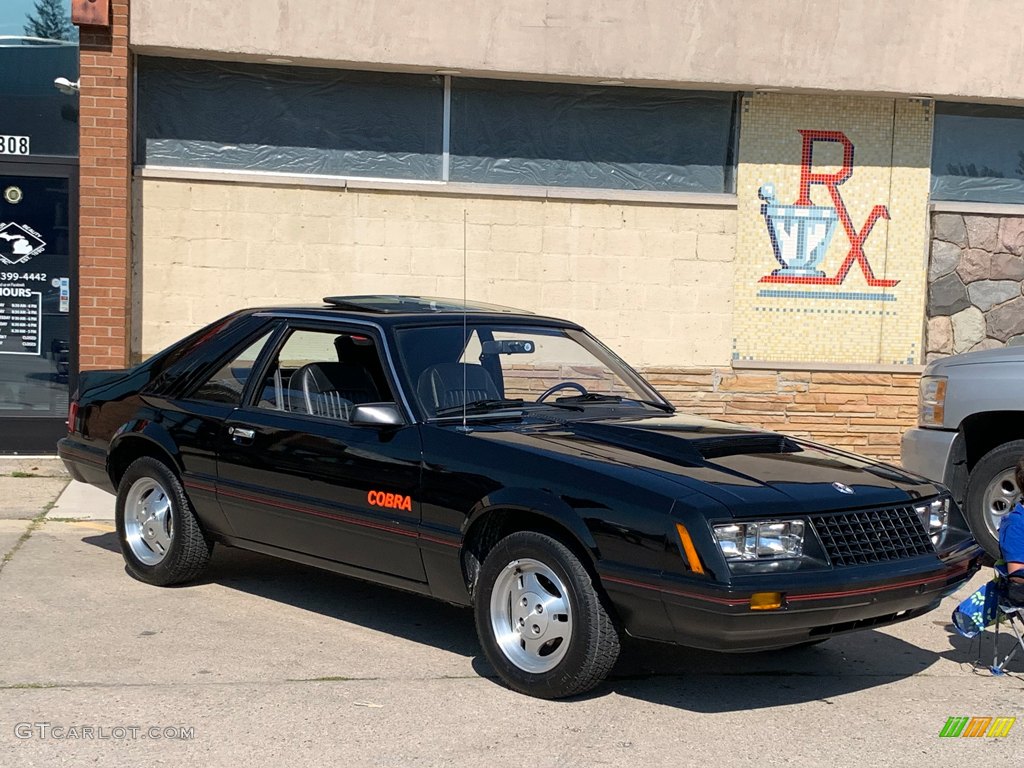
(748, 470)
(941, 367)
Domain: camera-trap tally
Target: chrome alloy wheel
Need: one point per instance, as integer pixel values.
(1000, 496)
(148, 522)
(531, 616)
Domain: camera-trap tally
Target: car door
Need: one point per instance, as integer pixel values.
(190, 406)
(294, 474)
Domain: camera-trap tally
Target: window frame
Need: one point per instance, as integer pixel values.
(287, 327)
(211, 368)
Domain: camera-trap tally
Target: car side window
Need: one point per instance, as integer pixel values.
(228, 382)
(324, 374)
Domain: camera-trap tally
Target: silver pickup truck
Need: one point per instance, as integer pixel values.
(970, 434)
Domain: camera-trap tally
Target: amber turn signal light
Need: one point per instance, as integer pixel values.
(688, 549)
(765, 601)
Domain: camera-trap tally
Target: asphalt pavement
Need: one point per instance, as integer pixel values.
(270, 663)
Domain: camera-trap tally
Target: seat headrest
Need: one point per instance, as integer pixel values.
(309, 383)
(441, 386)
(327, 377)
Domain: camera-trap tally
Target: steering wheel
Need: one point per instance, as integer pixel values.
(559, 387)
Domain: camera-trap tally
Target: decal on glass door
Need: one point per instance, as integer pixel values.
(21, 306)
(19, 243)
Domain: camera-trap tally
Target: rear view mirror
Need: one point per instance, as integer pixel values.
(508, 347)
(376, 415)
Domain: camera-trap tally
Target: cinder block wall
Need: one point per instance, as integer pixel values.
(653, 281)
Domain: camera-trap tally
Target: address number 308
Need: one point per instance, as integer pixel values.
(14, 145)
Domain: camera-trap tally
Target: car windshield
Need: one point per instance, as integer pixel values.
(493, 368)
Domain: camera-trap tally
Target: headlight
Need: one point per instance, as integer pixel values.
(932, 402)
(766, 545)
(934, 517)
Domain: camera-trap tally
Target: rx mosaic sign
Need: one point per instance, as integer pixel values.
(802, 232)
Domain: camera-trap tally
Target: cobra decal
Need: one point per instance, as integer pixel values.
(389, 500)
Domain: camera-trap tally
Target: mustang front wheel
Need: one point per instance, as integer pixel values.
(541, 620)
(161, 540)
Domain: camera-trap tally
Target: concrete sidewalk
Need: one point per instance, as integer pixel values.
(35, 489)
(81, 501)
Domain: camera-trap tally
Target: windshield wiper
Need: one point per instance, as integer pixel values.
(479, 406)
(590, 397)
(596, 397)
(485, 406)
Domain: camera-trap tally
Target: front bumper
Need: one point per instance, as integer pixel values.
(928, 452)
(719, 618)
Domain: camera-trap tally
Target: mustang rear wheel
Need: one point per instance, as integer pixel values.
(541, 621)
(161, 540)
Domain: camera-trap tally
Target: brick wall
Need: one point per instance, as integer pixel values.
(105, 180)
(865, 413)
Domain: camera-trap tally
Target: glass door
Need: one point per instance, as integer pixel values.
(37, 280)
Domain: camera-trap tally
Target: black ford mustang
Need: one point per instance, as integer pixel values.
(494, 458)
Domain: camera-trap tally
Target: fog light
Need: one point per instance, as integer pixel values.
(765, 601)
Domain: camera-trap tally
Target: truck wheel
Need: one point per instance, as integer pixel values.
(160, 537)
(541, 620)
(992, 492)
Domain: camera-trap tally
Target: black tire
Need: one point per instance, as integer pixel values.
(189, 550)
(996, 462)
(593, 644)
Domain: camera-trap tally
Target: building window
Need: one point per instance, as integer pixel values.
(560, 135)
(284, 119)
(206, 114)
(978, 153)
(30, 105)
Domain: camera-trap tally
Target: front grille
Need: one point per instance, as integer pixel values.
(873, 536)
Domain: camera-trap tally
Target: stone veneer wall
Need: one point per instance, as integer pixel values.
(976, 283)
(864, 413)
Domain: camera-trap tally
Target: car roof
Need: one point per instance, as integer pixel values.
(399, 309)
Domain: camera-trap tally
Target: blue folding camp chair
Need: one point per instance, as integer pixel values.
(995, 603)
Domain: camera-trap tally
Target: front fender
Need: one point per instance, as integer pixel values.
(538, 502)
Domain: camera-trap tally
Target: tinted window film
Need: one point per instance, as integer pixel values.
(552, 134)
(978, 153)
(228, 383)
(32, 107)
(289, 119)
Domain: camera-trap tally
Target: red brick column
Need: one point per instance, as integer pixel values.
(104, 239)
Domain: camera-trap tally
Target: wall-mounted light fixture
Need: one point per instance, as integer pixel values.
(67, 87)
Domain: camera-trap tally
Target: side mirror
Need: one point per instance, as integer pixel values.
(376, 415)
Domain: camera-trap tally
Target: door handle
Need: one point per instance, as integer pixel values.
(242, 434)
